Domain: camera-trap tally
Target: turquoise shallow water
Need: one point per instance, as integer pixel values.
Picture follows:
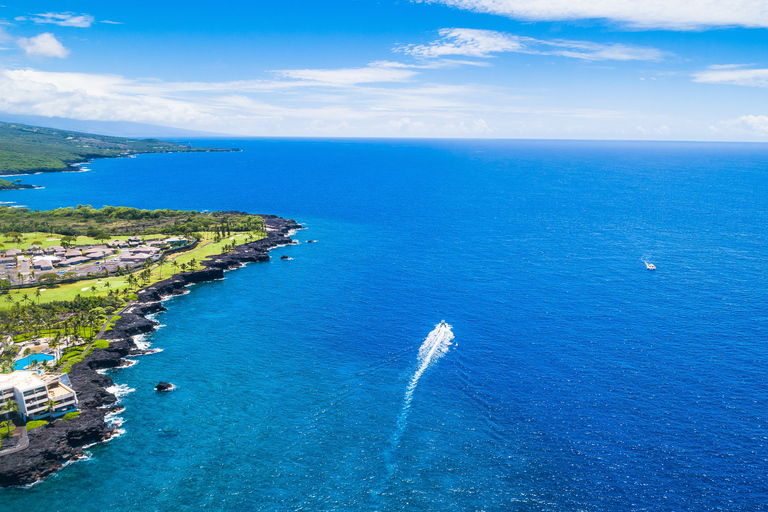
(577, 380)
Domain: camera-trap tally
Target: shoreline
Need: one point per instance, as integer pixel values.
(60, 443)
(74, 166)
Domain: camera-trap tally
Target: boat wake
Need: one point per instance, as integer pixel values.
(435, 346)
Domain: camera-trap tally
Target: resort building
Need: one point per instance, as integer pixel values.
(73, 261)
(33, 392)
(176, 241)
(118, 244)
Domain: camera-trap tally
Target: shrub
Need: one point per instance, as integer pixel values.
(71, 415)
(36, 424)
(101, 344)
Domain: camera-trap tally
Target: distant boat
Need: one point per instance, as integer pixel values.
(649, 266)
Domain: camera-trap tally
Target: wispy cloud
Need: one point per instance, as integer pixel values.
(753, 125)
(667, 14)
(483, 43)
(342, 102)
(383, 72)
(63, 19)
(733, 74)
(44, 45)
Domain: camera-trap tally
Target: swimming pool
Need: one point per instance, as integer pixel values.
(30, 359)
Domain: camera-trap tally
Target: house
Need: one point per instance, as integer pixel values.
(51, 249)
(43, 262)
(33, 392)
(134, 258)
(73, 253)
(145, 249)
(117, 244)
(96, 254)
(176, 241)
(34, 247)
(73, 261)
(134, 241)
(13, 252)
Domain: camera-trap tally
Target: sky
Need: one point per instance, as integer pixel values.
(553, 69)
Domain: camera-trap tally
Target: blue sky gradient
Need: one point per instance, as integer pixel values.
(625, 69)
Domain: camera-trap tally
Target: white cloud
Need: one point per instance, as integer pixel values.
(733, 74)
(63, 19)
(344, 77)
(753, 125)
(45, 45)
(482, 43)
(466, 41)
(301, 104)
(668, 14)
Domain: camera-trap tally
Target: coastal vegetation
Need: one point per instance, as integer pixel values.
(25, 149)
(13, 185)
(70, 315)
(101, 224)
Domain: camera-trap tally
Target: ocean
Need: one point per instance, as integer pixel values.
(570, 378)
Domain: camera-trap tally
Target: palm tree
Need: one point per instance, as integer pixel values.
(9, 406)
(50, 405)
(37, 295)
(9, 425)
(175, 265)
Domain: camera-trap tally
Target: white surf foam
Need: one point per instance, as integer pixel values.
(120, 391)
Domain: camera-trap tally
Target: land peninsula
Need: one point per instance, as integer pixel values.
(109, 269)
(31, 149)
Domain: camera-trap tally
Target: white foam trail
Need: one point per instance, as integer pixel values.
(435, 346)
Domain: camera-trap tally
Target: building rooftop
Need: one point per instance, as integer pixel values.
(23, 380)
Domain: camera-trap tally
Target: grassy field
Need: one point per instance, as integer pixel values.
(102, 286)
(46, 240)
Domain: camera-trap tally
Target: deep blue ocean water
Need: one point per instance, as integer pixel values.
(577, 379)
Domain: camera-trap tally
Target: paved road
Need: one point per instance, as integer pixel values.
(23, 443)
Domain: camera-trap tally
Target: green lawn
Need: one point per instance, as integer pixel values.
(97, 287)
(46, 240)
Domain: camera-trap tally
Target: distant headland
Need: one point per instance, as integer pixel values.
(28, 149)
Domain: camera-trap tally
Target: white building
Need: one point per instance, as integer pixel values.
(24, 265)
(32, 392)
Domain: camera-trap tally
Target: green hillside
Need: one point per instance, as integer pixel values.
(25, 149)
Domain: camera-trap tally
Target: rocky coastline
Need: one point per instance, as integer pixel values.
(60, 442)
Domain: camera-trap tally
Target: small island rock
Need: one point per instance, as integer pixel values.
(164, 386)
